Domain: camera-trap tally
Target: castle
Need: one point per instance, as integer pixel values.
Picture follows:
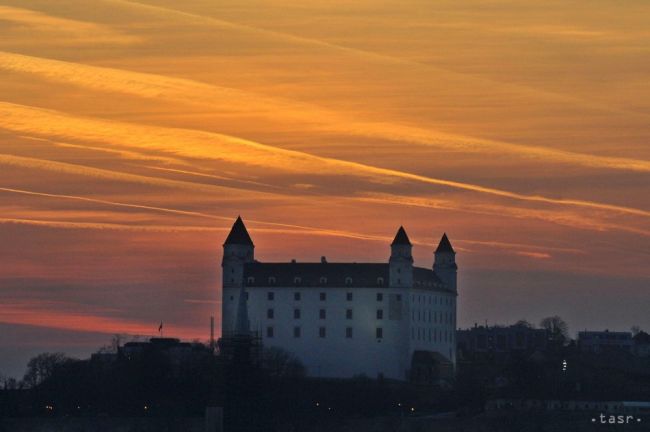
(391, 320)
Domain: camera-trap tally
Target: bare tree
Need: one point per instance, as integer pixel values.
(635, 330)
(557, 328)
(281, 363)
(8, 383)
(524, 323)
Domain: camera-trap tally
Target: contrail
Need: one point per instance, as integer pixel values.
(305, 229)
(196, 93)
(357, 52)
(220, 147)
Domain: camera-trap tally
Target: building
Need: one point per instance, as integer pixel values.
(501, 340)
(600, 341)
(345, 319)
(642, 344)
(179, 354)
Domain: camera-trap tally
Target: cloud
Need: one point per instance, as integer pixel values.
(242, 152)
(45, 314)
(565, 218)
(61, 30)
(237, 101)
(106, 174)
(536, 255)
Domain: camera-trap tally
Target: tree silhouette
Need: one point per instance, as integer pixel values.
(557, 328)
(42, 367)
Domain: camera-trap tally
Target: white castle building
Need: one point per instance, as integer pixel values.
(346, 319)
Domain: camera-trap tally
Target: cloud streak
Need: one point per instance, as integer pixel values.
(191, 92)
(219, 147)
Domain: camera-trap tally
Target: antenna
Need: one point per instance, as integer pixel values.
(212, 333)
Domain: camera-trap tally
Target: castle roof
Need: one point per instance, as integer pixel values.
(445, 245)
(324, 274)
(239, 234)
(401, 238)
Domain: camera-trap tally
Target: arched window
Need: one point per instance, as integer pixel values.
(348, 281)
(251, 280)
(271, 280)
(380, 281)
(297, 280)
(323, 280)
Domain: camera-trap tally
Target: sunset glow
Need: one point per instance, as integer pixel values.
(132, 134)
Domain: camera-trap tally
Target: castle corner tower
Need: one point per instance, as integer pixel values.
(238, 249)
(444, 263)
(401, 260)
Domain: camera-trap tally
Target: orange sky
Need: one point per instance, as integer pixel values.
(133, 132)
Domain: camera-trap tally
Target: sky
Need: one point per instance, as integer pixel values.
(132, 134)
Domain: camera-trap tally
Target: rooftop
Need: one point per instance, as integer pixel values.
(325, 274)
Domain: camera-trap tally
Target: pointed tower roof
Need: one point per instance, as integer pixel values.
(401, 238)
(239, 234)
(445, 245)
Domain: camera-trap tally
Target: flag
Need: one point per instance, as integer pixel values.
(160, 327)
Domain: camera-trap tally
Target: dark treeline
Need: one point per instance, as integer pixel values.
(271, 397)
(275, 395)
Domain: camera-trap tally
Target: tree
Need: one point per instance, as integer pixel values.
(42, 367)
(8, 383)
(524, 323)
(557, 328)
(635, 330)
(114, 345)
(281, 363)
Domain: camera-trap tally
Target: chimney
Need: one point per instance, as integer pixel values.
(323, 260)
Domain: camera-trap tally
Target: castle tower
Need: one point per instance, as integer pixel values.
(238, 250)
(445, 262)
(401, 260)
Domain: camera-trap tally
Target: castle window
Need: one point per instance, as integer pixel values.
(251, 280)
(323, 296)
(321, 332)
(380, 281)
(297, 280)
(232, 297)
(380, 314)
(379, 332)
(270, 295)
(348, 314)
(269, 332)
(271, 280)
(296, 296)
(348, 296)
(348, 281)
(380, 297)
(322, 314)
(269, 313)
(323, 280)
(296, 313)
(296, 332)
(348, 332)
